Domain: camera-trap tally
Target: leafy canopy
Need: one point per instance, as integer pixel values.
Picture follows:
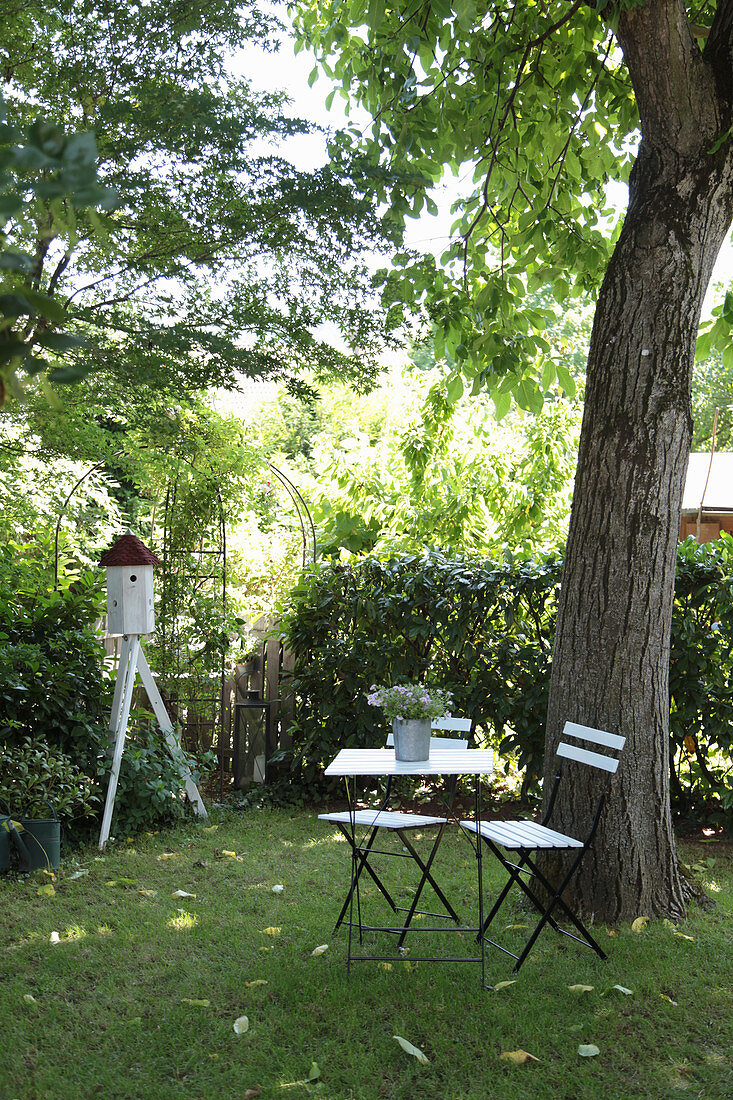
(221, 259)
(532, 103)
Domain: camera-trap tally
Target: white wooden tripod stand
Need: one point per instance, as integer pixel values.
(132, 661)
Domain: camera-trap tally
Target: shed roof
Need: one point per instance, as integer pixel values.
(719, 492)
(129, 550)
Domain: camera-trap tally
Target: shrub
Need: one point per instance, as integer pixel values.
(484, 631)
(55, 699)
(481, 630)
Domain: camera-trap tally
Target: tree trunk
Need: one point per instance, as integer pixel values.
(611, 659)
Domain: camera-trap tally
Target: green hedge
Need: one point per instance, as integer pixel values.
(484, 630)
(55, 700)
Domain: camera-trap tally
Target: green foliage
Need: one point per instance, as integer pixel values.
(712, 389)
(41, 168)
(55, 703)
(533, 104)
(484, 631)
(31, 777)
(701, 676)
(479, 629)
(221, 259)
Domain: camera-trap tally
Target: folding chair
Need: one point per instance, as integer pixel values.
(529, 837)
(397, 822)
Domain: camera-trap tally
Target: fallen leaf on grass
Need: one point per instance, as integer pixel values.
(517, 1057)
(588, 1050)
(241, 1024)
(580, 988)
(196, 1002)
(319, 950)
(384, 966)
(682, 936)
(232, 855)
(167, 855)
(30, 999)
(622, 989)
(252, 1094)
(315, 1072)
(210, 828)
(504, 985)
(77, 874)
(147, 893)
(255, 981)
(515, 927)
(410, 1049)
(55, 937)
(278, 889)
(639, 924)
(182, 894)
(46, 891)
(666, 998)
(274, 930)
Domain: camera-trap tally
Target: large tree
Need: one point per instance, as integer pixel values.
(545, 101)
(221, 259)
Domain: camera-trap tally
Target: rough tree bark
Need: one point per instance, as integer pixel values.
(611, 660)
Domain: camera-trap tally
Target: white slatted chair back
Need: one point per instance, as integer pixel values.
(595, 737)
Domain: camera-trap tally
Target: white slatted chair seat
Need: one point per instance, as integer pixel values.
(384, 819)
(522, 834)
(530, 837)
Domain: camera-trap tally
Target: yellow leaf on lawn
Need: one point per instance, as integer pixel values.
(384, 966)
(580, 988)
(413, 1050)
(517, 1057)
(196, 1002)
(167, 855)
(241, 1024)
(210, 828)
(225, 852)
(682, 936)
(30, 998)
(639, 924)
(666, 998)
(504, 985)
(47, 891)
(256, 981)
(319, 950)
(588, 1050)
(274, 930)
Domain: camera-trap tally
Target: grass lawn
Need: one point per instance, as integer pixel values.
(115, 986)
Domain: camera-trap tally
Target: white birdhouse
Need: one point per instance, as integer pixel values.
(130, 597)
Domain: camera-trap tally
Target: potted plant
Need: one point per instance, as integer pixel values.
(411, 709)
(43, 785)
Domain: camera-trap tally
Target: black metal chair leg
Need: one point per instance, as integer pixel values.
(361, 853)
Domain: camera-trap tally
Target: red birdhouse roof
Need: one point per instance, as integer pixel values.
(129, 550)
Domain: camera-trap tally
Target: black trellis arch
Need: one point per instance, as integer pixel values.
(200, 708)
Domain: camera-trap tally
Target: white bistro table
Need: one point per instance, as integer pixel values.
(445, 762)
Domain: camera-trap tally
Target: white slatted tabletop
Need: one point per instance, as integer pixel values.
(443, 761)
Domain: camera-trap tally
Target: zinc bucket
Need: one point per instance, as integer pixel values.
(42, 839)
